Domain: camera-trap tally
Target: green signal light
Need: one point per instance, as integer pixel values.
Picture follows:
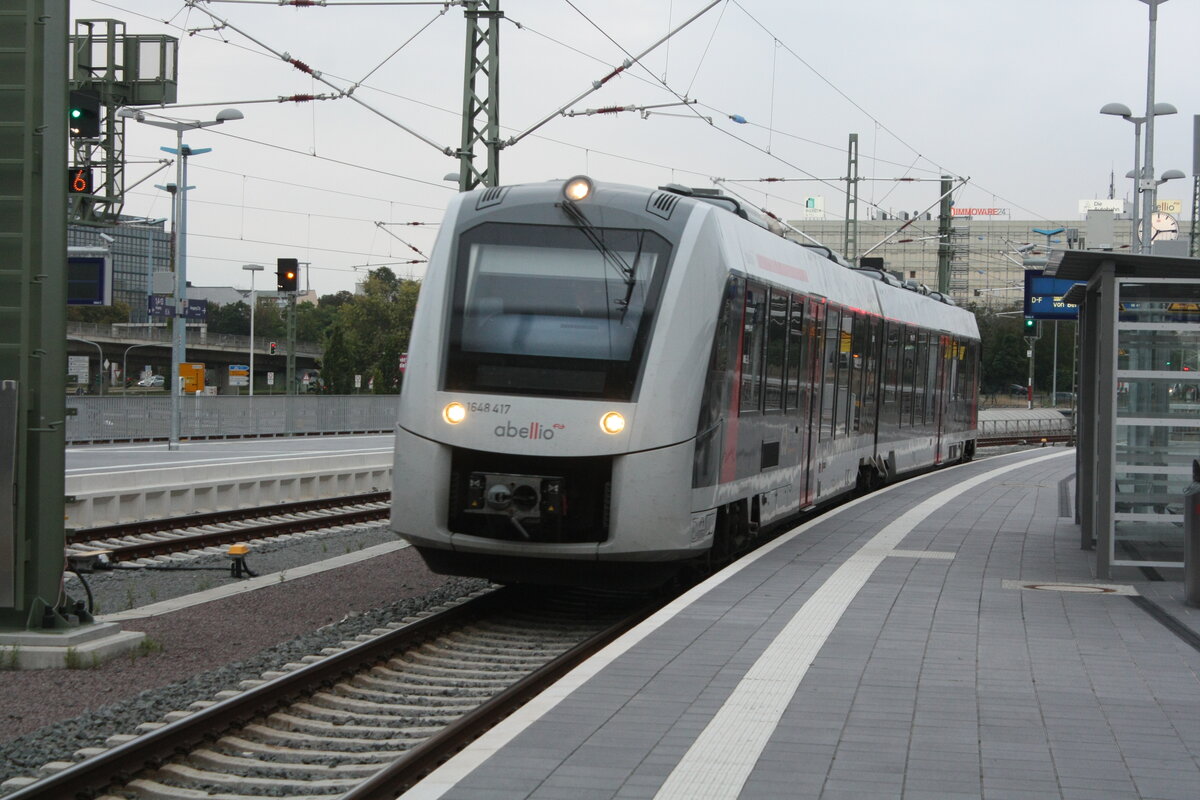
(76, 113)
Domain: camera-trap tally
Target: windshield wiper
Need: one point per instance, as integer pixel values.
(628, 273)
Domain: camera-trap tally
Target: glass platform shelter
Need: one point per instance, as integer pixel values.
(1139, 404)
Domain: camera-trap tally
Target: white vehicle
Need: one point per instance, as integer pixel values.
(151, 380)
(606, 383)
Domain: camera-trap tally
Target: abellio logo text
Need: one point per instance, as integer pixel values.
(534, 430)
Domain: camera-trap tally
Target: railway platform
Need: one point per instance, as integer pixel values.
(943, 638)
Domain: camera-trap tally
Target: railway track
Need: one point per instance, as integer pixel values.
(368, 720)
(1025, 438)
(131, 541)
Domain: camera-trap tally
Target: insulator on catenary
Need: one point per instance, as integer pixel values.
(298, 98)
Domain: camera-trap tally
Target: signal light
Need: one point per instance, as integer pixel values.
(287, 271)
(272, 348)
(83, 114)
(79, 180)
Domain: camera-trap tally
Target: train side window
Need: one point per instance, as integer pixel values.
(937, 377)
(908, 367)
(753, 336)
(829, 364)
(811, 370)
(795, 354)
(863, 346)
(776, 355)
(847, 386)
(919, 386)
(889, 413)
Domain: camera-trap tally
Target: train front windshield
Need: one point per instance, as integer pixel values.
(553, 310)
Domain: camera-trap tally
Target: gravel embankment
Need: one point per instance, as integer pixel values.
(193, 653)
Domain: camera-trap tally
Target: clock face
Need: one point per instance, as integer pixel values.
(1163, 227)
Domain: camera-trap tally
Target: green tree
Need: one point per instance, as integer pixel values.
(369, 332)
(231, 318)
(104, 315)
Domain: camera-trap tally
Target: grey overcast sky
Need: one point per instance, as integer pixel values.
(1005, 93)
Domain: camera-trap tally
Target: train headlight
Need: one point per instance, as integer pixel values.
(612, 422)
(578, 188)
(454, 413)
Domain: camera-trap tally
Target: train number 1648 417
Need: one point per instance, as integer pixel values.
(489, 408)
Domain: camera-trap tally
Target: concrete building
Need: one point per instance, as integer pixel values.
(988, 250)
(139, 248)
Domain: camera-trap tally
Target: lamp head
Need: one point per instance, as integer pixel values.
(1161, 109)
(1116, 110)
(1173, 174)
(229, 114)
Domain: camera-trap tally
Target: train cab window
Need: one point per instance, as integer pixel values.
(553, 310)
(753, 338)
(829, 366)
(776, 356)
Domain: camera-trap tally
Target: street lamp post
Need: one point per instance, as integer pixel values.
(179, 330)
(125, 359)
(1147, 183)
(1122, 110)
(252, 269)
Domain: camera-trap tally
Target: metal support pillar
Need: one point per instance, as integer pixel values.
(850, 245)
(481, 114)
(1194, 247)
(944, 249)
(291, 343)
(33, 296)
(1105, 418)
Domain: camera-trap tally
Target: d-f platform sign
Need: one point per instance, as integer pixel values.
(1044, 297)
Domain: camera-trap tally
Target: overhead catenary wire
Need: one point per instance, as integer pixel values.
(383, 227)
(598, 84)
(317, 75)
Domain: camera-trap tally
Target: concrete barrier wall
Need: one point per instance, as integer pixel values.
(132, 418)
(109, 498)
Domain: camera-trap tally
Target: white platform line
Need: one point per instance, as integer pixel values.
(712, 769)
(446, 777)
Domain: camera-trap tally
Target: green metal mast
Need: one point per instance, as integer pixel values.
(33, 289)
(481, 114)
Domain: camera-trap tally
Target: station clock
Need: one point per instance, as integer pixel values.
(1163, 227)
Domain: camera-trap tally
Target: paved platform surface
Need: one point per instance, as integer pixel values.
(894, 648)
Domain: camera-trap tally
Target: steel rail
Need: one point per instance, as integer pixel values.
(177, 544)
(120, 764)
(218, 517)
(403, 773)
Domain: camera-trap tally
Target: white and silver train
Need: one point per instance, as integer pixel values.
(606, 383)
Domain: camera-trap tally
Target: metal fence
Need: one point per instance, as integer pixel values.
(126, 419)
(1031, 427)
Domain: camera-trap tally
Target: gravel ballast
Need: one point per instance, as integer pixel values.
(194, 653)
